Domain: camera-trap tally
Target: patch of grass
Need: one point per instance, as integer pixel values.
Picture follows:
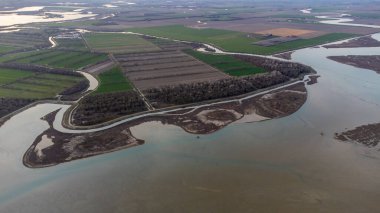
(235, 41)
(113, 80)
(228, 64)
(118, 43)
(57, 58)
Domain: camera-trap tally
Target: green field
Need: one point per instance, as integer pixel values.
(31, 85)
(113, 80)
(72, 44)
(235, 41)
(228, 64)
(24, 39)
(118, 43)
(56, 58)
(225, 39)
(7, 48)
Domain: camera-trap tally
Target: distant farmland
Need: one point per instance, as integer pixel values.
(235, 41)
(57, 59)
(118, 43)
(228, 64)
(33, 85)
(22, 39)
(15, 41)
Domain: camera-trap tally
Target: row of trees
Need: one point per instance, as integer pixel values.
(202, 91)
(77, 88)
(290, 69)
(98, 108)
(8, 105)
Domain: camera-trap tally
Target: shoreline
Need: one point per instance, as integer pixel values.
(66, 146)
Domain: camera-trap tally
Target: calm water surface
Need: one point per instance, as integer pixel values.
(281, 165)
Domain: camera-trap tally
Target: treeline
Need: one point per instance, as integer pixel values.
(8, 105)
(38, 68)
(290, 69)
(202, 91)
(77, 88)
(94, 109)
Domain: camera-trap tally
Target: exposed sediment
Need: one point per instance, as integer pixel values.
(368, 135)
(366, 62)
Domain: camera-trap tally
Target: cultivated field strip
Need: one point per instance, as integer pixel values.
(23, 39)
(58, 58)
(33, 85)
(161, 68)
(118, 43)
(168, 44)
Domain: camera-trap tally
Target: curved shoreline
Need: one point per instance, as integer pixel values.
(67, 145)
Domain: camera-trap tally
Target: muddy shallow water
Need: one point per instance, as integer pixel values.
(290, 164)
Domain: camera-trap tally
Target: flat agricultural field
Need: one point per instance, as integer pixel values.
(235, 41)
(31, 85)
(228, 64)
(56, 58)
(161, 68)
(23, 39)
(113, 80)
(283, 32)
(72, 44)
(7, 48)
(118, 43)
(228, 40)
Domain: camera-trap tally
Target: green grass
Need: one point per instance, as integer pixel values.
(228, 64)
(113, 80)
(11, 75)
(228, 40)
(74, 44)
(31, 85)
(56, 58)
(235, 41)
(6, 48)
(118, 43)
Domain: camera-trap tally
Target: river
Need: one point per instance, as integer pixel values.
(14, 17)
(291, 164)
